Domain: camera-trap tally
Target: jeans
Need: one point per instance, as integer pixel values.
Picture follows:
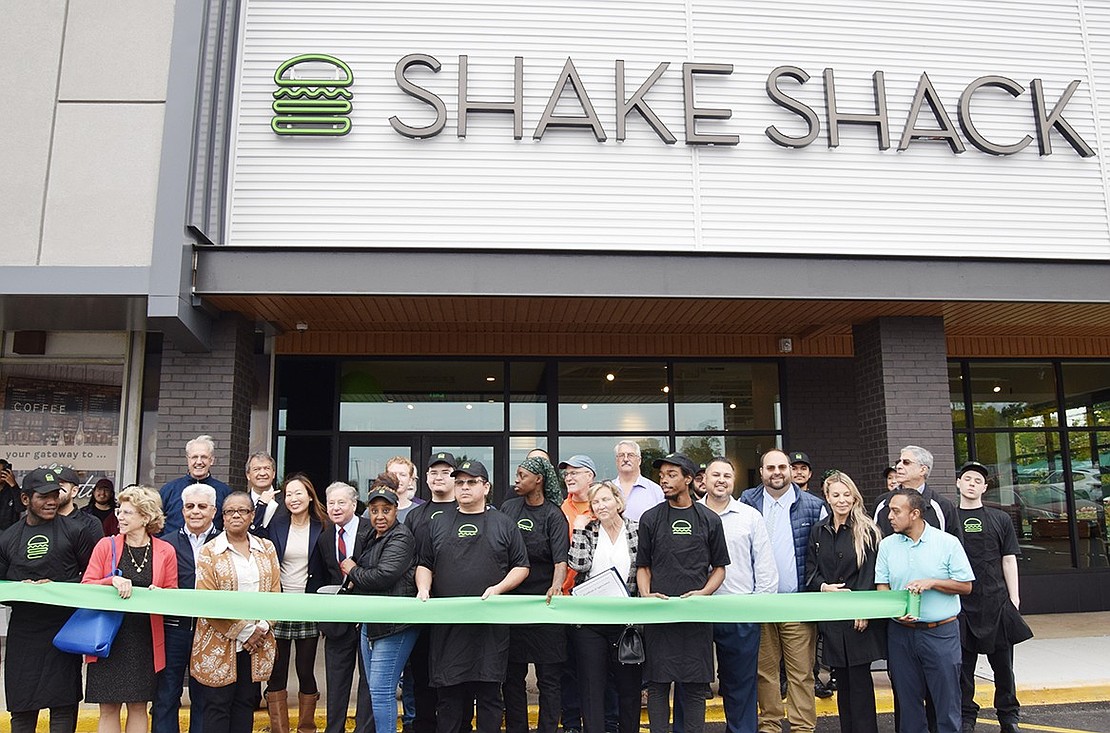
(408, 698)
(164, 711)
(383, 662)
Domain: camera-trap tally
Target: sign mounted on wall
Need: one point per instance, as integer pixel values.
(312, 96)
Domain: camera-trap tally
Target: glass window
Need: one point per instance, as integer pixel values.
(528, 396)
(421, 396)
(956, 395)
(619, 397)
(600, 448)
(1087, 394)
(744, 452)
(1013, 395)
(726, 396)
(306, 394)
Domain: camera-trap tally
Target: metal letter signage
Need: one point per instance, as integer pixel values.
(314, 104)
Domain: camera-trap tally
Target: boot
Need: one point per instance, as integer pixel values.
(306, 716)
(277, 705)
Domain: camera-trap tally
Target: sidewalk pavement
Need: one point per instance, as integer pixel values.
(1064, 663)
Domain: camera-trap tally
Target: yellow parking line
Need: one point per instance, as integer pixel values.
(1050, 728)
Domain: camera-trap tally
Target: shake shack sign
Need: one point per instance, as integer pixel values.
(315, 94)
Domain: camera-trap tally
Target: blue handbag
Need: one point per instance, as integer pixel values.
(88, 631)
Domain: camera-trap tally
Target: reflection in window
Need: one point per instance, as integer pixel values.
(600, 449)
(726, 396)
(1013, 395)
(744, 452)
(528, 396)
(956, 395)
(1087, 394)
(629, 397)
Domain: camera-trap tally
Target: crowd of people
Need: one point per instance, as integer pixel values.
(566, 530)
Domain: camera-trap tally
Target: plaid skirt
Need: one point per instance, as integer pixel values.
(296, 630)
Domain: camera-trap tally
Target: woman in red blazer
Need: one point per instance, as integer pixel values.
(133, 558)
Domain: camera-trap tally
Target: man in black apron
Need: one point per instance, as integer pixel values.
(682, 553)
(989, 619)
(471, 552)
(41, 548)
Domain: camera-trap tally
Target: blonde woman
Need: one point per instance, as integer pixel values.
(842, 552)
(132, 559)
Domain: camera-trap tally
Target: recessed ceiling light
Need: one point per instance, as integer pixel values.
(666, 389)
(491, 379)
(411, 407)
(610, 377)
(997, 388)
(732, 405)
(470, 407)
(585, 406)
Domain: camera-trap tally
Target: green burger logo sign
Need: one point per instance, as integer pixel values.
(312, 96)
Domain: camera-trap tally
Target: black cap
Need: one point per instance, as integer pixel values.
(799, 457)
(471, 468)
(701, 468)
(40, 481)
(65, 473)
(382, 494)
(677, 459)
(974, 466)
(441, 457)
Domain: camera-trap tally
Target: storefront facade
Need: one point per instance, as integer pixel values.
(351, 230)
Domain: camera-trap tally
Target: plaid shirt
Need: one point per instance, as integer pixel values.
(583, 542)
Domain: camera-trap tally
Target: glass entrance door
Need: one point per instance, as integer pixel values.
(363, 456)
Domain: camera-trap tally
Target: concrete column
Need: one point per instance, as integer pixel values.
(902, 396)
(208, 393)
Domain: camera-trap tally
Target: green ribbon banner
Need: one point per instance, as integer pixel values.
(763, 608)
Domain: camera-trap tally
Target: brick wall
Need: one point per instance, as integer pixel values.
(902, 395)
(207, 393)
(821, 415)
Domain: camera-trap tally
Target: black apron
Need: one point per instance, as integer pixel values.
(535, 643)
(988, 620)
(680, 652)
(465, 565)
(36, 674)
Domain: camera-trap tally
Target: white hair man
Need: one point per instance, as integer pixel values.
(640, 492)
(200, 454)
(912, 472)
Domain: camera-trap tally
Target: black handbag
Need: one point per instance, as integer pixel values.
(630, 645)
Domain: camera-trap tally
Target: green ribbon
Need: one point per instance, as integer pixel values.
(763, 608)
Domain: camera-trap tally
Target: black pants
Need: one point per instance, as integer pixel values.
(855, 699)
(693, 705)
(63, 719)
(456, 702)
(425, 694)
(595, 653)
(516, 697)
(230, 709)
(306, 665)
(1005, 689)
(343, 662)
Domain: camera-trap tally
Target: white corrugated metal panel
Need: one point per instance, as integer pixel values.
(377, 188)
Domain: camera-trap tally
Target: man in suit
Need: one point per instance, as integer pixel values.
(268, 500)
(344, 538)
(199, 510)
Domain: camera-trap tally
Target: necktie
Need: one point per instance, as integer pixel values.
(342, 547)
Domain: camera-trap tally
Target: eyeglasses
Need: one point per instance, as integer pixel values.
(126, 513)
(237, 512)
(569, 474)
(628, 455)
(202, 507)
(906, 461)
(469, 482)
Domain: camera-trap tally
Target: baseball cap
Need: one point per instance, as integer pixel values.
(382, 494)
(799, 457)
(579, 461)
(677, 459)
(974, 466)
(441, 457)
(65, 473)
(40, 481)
(471, 468)
(701, 468)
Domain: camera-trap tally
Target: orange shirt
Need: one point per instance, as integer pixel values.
(572, 510)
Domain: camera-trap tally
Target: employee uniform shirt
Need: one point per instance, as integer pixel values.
(988, 619)
(937, 555)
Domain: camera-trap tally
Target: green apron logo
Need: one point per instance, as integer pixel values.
(38, 546)
(525, 525)
(973, 525)
(681, 526)
(468, 530)
(312, 100)
(436, 513)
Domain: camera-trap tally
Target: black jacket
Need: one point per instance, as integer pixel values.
(939, 512)
(386, 567)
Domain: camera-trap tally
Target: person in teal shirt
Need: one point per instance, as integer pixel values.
(924, 652)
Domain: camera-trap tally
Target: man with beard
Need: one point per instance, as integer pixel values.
(69, 484)
(40, 548)
(790, 514)
(681, 553)
(471, 552)
(199, 510)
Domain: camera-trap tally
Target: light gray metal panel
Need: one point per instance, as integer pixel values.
(257, 271)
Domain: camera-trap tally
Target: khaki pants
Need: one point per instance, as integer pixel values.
(796, 645)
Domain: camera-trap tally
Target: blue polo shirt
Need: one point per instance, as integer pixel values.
(937, 555)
